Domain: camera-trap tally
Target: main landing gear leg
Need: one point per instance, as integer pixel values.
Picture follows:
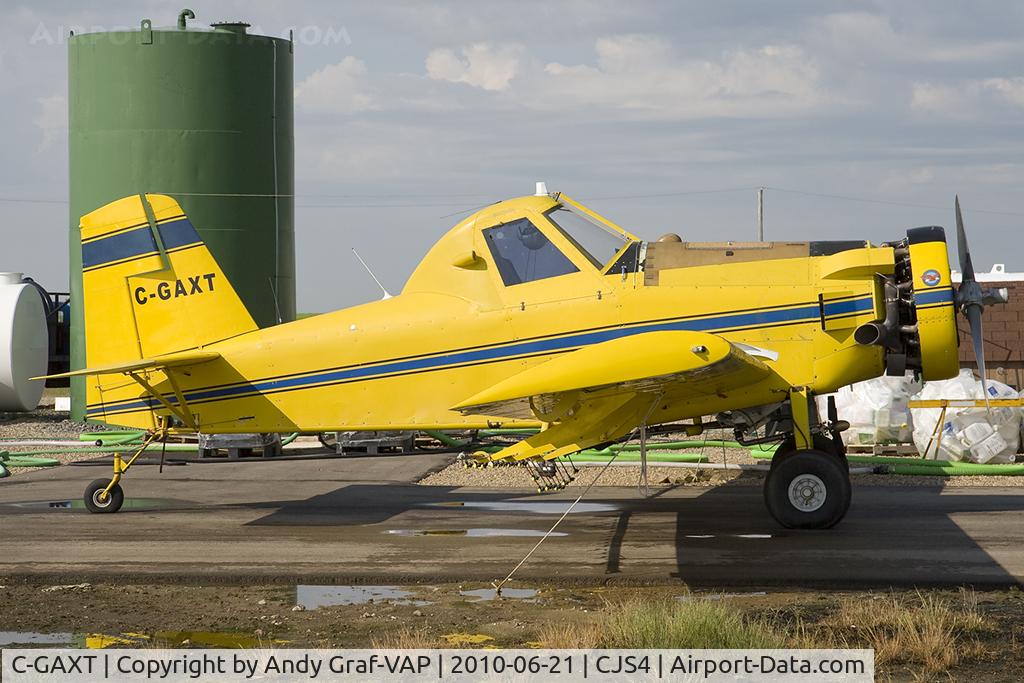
(106, 495)
(808, 485)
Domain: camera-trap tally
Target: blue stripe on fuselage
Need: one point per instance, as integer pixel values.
(933, 297)
(719, 322)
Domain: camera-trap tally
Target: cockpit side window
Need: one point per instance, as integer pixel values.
(522, 253)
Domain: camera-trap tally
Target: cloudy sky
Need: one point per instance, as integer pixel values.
(862, 119)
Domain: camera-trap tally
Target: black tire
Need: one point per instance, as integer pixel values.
(808, 489)
(821, 443)
(113, 503)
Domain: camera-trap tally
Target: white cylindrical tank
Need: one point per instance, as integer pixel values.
(24, 348)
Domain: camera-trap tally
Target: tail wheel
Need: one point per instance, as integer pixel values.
(808, 489)
(95, 501)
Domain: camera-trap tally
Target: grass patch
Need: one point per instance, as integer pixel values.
(666, 624)
(931, 631)
(578, 636)
(404, 639)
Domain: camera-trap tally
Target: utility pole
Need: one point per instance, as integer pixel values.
(760, 214)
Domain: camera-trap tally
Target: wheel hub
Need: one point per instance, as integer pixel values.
(807, 493)
(100, 499)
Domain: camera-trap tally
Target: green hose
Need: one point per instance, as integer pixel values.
(507, 432)
(605, 454)
(113, 441)
(19, 460)
(712, 443)
(952, 469)
(652, 456)
(122, 436)
(940, 468)
(445, 439)
(631, 452)
(113, 436)
(153, 447)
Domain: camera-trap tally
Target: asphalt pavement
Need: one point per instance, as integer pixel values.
(364, 519)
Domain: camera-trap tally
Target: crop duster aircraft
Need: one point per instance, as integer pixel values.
(533, 312)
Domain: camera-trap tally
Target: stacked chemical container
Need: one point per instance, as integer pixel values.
(23, 343)
(203, 115)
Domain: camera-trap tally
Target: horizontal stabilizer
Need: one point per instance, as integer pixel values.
(158, 363)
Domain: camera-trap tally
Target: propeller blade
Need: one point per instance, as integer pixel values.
(971, 299)
(963, 251)
(973, 315)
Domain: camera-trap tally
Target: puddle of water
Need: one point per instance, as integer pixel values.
(540, 507)
(78, 504)
(484, 594)
(312, 597)
(20, 638)
(733, 535)
(472, 533)
(719, 596)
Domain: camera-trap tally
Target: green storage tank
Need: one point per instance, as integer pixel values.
(204, 115)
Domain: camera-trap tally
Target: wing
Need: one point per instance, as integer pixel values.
(693, 362)
(600, 392)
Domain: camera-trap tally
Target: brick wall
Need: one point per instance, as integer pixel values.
(1004, 337)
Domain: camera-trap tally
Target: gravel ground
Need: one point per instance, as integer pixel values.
(518, 477)
(44, 423)
(47, 424)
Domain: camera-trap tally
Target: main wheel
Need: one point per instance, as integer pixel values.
(111, 503)
(821, 443)
(808, 489)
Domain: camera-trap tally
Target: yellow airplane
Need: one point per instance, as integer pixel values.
(533, 312)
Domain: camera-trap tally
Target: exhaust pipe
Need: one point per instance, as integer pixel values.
(871, 334)
(883, 333)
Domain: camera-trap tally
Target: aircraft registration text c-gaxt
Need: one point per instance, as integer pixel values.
(189, 286)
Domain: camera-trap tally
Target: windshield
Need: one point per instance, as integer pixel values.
(598, 243)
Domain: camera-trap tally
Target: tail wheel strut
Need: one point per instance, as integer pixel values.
(106, 495)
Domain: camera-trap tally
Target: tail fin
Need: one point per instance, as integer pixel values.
(150, 285)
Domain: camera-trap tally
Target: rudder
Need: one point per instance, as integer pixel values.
(150, 285)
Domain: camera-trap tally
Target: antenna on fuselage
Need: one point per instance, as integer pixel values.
(387, 294)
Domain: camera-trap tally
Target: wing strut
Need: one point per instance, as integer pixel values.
(184, 415)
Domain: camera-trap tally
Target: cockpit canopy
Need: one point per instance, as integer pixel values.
(524, 240)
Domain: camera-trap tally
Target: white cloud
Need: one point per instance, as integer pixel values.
(340, 88)
(491, 67)
(971, 98)
(641, 73)
(51, 119)
(936, 98)
(1011, 89)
